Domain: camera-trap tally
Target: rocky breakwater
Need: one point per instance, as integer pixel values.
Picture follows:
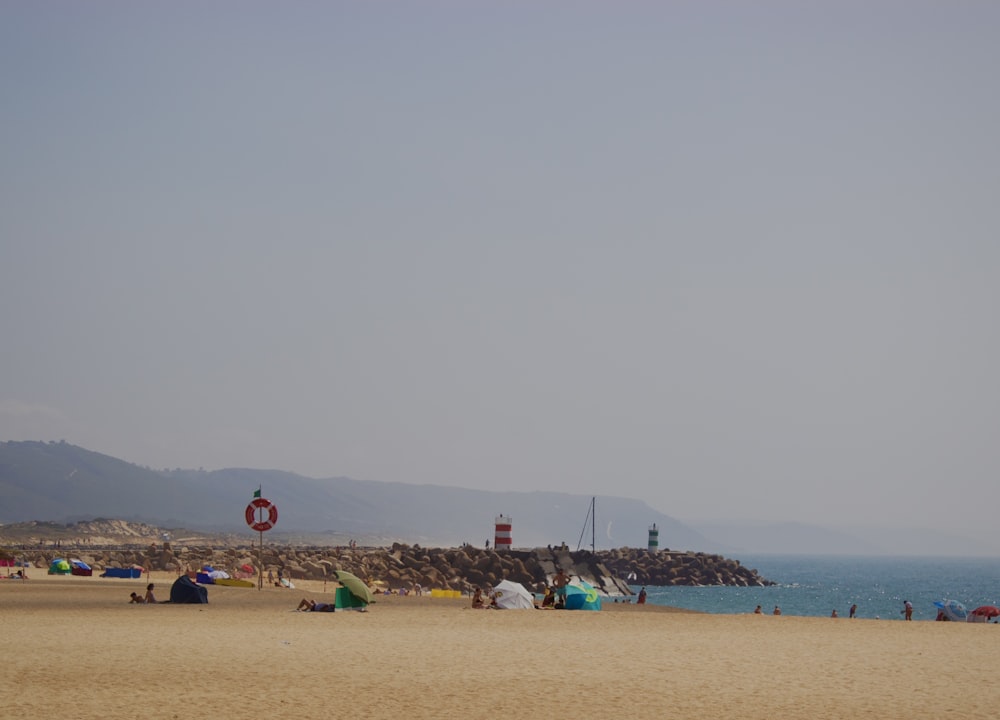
(613, 572)
(641, 567)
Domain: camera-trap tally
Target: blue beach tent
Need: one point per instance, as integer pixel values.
(582, 596)
(184, 590)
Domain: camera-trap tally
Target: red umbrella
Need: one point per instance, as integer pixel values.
(986, 611)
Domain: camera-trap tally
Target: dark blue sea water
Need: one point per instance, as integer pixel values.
(816, 585)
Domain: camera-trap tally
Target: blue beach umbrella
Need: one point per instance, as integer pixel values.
(582, 596)
(952, 609)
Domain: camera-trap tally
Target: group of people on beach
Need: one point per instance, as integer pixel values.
(148, 599)
(554, 598)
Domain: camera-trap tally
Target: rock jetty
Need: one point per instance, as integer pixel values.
(612, 572)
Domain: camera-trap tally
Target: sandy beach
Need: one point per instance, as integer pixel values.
(73, 647)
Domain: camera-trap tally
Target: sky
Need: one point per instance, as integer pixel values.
(737, 260)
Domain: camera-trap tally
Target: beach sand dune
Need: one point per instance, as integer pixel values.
(74, 648)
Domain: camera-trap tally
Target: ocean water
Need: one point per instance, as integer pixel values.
(816, 585)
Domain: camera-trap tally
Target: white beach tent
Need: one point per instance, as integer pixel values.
(513, 596)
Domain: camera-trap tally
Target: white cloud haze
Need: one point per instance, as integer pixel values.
(736, 260)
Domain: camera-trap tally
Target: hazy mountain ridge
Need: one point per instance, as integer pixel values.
(62, 482)
(57, 481)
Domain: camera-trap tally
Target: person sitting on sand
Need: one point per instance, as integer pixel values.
(758, 610)
(136, 599)
(777, 610)
(477, 599)
(550, 598)
(834, 613)
(308, 605)
(149, 598)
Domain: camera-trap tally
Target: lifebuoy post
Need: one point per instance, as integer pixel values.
(255, 517)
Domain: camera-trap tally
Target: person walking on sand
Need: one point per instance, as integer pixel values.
(907, 610)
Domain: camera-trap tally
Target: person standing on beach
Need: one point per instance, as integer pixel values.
(642, 597)
(559, 582)
(907, 610)
(853, 611)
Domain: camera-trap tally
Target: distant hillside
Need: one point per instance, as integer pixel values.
(56, 481)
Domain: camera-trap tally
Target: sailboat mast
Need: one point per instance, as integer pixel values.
(590, 519)
(593, 524)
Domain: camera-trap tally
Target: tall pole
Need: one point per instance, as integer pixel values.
(260, 546)
(593, 524)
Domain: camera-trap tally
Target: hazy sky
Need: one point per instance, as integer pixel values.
(738, 260)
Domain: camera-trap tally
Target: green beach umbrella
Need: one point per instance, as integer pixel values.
(354, 584)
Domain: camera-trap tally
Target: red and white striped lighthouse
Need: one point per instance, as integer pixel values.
(502, 537)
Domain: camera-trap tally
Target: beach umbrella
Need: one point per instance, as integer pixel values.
(986, 611)
(582, 596)
(952, 609)
(355, 586)
(59, 566)
(513, 596)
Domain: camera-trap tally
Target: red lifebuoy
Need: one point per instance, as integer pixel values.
(261, 525)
